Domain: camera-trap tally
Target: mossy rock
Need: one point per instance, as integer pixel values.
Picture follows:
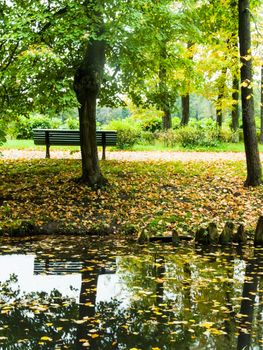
(227, 234)
(143, 237)
(241, 235)
(22, 228)
(201, 236)
(213, 235)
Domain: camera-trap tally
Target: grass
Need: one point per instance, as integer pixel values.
(222, 147)
(42, 196)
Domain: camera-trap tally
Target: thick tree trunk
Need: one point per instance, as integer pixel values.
(249, 126)
(261, 108)
(185, 109)
(87, 85)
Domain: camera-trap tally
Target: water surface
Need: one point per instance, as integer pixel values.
(83, 293)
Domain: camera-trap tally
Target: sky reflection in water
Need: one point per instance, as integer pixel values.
(77, 293)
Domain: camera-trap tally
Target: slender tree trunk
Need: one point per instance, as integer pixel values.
(186, 98)
(235, 107)
(261, 107)
(164, 98)
(87, 83)
(249, 126)
(185, 109)
(221, 94)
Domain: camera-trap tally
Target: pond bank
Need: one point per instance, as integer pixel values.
(42, 196)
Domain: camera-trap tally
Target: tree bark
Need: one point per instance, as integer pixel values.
(261, 107)
(219, 103)
(163, 93)
(249, 126)
(185, 109)
(167, 119)
(87, 83)
(235, 108)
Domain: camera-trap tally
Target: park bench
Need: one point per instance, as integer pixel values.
(60, 137)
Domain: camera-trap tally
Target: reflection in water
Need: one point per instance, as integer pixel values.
(57, 294)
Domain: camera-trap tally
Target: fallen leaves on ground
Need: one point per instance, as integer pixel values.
(161, 196)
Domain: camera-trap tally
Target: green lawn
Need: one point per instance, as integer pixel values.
(223, 147)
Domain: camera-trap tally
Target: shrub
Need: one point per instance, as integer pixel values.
(190, 136)
(128, 132)
(2, 137)
(56, 123)
(25, 125)
(152, 124)
(169, 138)
(72, 123)
(148, 137)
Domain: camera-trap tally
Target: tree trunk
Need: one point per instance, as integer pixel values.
(219, 103)
(167, 120)
(163, 91)
(185, 109)
(249, 126)
(250, 289)
(261, 108)
(235, 108)
(87, 83)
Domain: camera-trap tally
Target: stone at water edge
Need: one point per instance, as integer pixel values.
(143, 237)
(213, 235)
(175, 237)
(240, 236)
(227, 234)
(201, 236)
(259, 232)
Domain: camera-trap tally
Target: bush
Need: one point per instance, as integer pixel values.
(128, 132)
(152, 124)
(2, 137)
(72, 123)
(169, 138)
(148, 137)
(25, 125)
(191, 136)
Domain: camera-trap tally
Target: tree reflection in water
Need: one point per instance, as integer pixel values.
(182, 299)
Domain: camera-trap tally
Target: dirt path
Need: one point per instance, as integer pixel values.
(130, 156)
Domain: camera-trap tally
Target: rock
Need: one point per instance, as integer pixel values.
(227, 234)
(240, 236)
(143, 237)
(175, 238)
(213, 235)
(201, 236)
(259, 232)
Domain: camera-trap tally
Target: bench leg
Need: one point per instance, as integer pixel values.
(103, 152)
(47, 151)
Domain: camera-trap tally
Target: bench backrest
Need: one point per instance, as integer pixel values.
(62, 137)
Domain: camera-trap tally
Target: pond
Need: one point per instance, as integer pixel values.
(95, 293)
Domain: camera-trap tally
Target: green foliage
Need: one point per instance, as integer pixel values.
(192, 135)
(2, 137)
(128, 132)
(72, 123)
(152, 124)
(23, 127)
